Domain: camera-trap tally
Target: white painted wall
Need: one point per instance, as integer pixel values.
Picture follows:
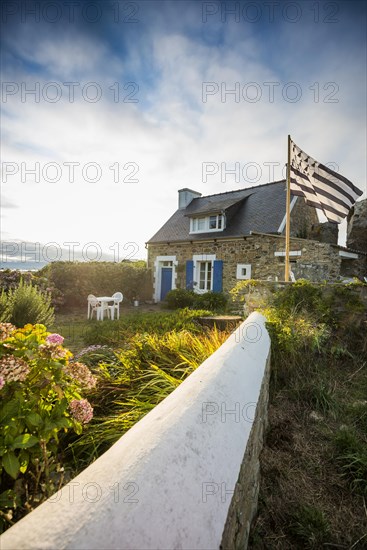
(168, 482)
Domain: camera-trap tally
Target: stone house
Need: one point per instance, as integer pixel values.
(212, 242)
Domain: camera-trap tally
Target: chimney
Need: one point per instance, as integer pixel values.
(185, 196)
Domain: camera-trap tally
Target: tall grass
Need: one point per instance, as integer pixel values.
(142, 375)
(115, 333)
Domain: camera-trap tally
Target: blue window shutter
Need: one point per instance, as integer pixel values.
(218, 276)
(189, 275)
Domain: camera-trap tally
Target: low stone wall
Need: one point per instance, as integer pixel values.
(185, 476)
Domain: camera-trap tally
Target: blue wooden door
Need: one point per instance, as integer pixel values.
(166, 281)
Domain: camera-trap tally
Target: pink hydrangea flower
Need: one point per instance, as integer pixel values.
(81, 410)
(5, 330)
(54, 339)
(13, 369)
(82, 374)
(53, 350)
(2, 382)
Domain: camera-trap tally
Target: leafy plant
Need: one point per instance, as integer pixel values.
(27, 304)
(41, 397)
(180, 298)
(4, 308)
(213, 301)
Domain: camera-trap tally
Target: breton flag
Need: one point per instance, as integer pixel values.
(320, 186)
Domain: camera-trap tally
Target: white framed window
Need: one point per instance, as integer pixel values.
(203, 272)
(205, 276)
(207, 224)
(243, 271)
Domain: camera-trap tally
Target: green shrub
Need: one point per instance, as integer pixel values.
(4, 308)
(300, 296)
(41, 398)
(180, 298)
(27, 304)
(213, 301)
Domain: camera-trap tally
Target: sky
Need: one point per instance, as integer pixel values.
(108, 108)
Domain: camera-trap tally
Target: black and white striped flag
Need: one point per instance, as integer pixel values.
(322, 187)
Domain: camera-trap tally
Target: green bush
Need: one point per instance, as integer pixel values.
(27, 304)
(301, 296)
(213, 301)
(4, 308)
(180, 298)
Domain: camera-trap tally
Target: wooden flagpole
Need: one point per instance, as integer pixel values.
(288, 213)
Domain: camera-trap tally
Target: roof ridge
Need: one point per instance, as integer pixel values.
(238, 190)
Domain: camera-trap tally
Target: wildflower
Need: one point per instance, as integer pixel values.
(82, 374)
(5, 330)
(54, 339)
(13, 369)
(2, 382)
(81, 410)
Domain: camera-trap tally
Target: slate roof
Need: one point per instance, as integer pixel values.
(260, 209)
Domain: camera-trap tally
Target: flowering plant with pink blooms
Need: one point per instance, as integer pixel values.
(41, 395)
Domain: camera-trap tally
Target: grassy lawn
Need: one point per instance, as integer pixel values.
(75, 326)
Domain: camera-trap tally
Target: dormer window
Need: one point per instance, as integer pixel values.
(207, 224)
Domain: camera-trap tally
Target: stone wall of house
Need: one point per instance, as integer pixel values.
(326, 232)
(303, 219)
(317, 262)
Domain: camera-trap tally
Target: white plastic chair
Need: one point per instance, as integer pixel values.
(94, 306)
(118, 297)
